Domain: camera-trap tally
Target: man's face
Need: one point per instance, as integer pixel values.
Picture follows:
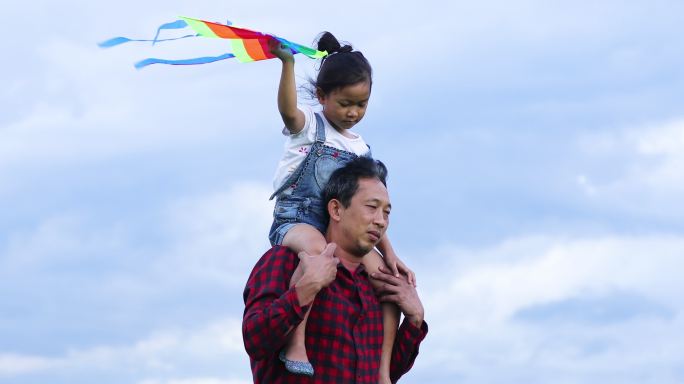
(364, 222)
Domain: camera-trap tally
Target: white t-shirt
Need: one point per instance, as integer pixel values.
(297, 145)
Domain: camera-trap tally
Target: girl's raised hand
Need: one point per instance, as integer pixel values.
(280, 50)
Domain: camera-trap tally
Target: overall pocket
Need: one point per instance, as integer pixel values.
(323, 168)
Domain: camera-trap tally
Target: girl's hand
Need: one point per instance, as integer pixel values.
(397, 268)
(280, 50)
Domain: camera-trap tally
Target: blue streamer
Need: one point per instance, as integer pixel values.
(113, 42)
(198, 60)
(120, 40)
(178, 24)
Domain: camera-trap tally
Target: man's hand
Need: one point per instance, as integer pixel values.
(399, 291)
(318, 272)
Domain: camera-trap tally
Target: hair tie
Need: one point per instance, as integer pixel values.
(344, 49)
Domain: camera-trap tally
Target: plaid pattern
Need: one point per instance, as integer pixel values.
(343, 333)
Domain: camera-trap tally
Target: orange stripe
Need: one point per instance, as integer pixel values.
(222, 31)
(254, 50)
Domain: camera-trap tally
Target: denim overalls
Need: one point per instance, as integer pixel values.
(300, 198)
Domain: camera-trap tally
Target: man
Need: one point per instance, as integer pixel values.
(344, 331)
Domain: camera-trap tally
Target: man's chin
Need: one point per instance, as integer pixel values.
(365, 247)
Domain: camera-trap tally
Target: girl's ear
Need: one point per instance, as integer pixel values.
(320, 95)
(334, 207)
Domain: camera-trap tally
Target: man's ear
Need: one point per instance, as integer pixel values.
(334, 207)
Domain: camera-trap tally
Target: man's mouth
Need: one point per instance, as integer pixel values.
(374, 235)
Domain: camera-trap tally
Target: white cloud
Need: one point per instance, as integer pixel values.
(646, 169)
(89, 104)
(14, 364)
(663, 145)
(70, 103)
(61, 239)
(195, 380)
(219, 236)
(473, 296)
(166, 351)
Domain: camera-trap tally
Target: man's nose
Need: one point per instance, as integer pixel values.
(380, 219)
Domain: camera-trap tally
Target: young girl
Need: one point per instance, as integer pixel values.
(317, 144)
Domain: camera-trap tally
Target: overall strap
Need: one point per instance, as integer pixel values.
(368, 154)
(320, 129)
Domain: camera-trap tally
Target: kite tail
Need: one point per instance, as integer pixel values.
(120, 40)
(247, 45)
(199, 60)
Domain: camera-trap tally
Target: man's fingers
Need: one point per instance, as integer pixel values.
(389, 298)
(329, 250)
(385, 277)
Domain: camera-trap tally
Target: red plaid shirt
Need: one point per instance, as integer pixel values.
(343, 333)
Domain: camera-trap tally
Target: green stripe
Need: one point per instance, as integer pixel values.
(199, 27)
(312, 53)
(239, 51)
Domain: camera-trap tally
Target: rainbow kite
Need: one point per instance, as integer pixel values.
(247, 45)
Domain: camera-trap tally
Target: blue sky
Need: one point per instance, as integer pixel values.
(536, 157)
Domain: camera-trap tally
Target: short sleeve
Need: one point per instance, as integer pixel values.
(308, 132)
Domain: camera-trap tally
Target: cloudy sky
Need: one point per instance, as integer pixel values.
(536, 156)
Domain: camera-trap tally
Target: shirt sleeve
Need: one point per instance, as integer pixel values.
(308, 132)
(405, 348)
(272, 309)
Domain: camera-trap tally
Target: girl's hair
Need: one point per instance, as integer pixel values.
(342, 67)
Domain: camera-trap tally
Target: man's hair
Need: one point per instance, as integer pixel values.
(344, 181)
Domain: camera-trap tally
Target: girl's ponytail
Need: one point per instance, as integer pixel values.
(328, 42)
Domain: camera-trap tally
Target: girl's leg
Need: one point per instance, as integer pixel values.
(390, 318)
(302, 237)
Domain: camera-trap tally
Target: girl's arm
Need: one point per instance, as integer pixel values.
(287, 89)
(395, 265)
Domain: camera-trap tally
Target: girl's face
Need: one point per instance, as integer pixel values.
(345, 106)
